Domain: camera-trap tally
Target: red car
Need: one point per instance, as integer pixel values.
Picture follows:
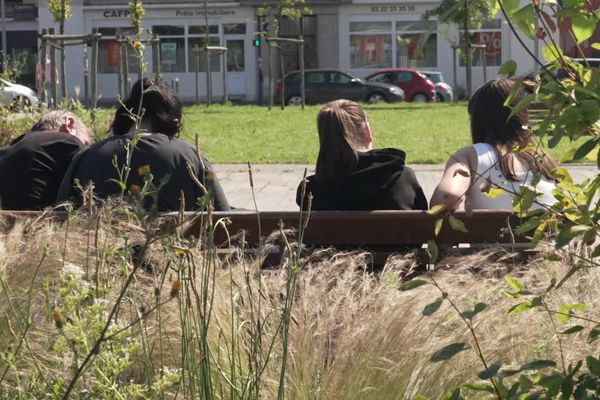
(416, 86)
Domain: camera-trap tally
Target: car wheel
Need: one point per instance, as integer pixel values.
(19, 103)
(419, 98)
(440, 98)
(294, 100)
(375, 98)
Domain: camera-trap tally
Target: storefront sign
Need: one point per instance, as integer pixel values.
(25, 12)
(116, 13)
(198, 12)
(392, 9)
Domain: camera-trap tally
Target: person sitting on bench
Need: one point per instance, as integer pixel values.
(350, 174)
(153, 148)
(33, 165)
(504, 155)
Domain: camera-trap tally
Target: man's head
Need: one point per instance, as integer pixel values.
(63, 121)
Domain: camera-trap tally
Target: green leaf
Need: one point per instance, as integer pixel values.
(432, 307)
(494, 192)
(530, 224)
(432, 249)
(538, 364)
(510, 6)
(595, 46)
(449, 351)
(594, 333)
(552, 53)
(435, 210)
(514, 283)
(522, 104)
(553, 383)
(509, 68)
(571, 330)
(590, 110)
(438, 226)
(479, 387)
(452, 395)
(593, 365)
(490, 372)
(583, 26)
(569, 233)
(566, 311)
(414, 283)
(525, 20)
(457, 224)
(519, 308)
(585, 148)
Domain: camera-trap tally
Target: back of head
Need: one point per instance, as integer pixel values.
(489, 116)
(59, 121)
(341, 125)
(157, 103)
(490, 123)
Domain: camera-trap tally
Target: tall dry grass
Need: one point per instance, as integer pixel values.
(353, 334)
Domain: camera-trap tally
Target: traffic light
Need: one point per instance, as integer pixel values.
(256, 41)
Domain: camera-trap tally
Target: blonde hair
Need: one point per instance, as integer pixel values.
(341, 125)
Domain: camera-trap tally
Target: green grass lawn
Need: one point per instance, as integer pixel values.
(428, 133)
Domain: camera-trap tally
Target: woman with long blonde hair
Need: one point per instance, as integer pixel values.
(350, 174)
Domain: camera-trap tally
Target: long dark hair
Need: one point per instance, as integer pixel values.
(341, 125)
(490, 123)
(158, 104)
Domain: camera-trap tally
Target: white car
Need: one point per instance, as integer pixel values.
(443, 91)
(17, 96)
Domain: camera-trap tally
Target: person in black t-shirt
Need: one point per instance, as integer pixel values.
(350, 175)
(33, 165)
(154, 148)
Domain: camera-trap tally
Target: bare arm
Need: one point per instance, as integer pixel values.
(456, 180)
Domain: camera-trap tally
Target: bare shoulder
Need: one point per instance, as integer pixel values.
(466, 157)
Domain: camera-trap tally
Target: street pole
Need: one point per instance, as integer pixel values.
(467, 49)
(4, 49)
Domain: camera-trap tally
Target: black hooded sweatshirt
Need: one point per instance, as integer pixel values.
(380, 181)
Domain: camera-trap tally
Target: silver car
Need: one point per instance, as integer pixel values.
(443, 91)
(17, 96)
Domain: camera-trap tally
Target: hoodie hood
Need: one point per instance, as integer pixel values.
(375, 172)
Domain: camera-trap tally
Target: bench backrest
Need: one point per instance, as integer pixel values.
(347, 228)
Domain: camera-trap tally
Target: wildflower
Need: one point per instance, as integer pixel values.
(180, 251)
(58, 319)
(137, 44)
(175, 287)
(144, 170)
(135, 189)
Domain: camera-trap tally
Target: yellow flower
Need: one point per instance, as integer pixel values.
(137, 44)
(58, 319)
(180, 251)
(144, 170)
(135, 189)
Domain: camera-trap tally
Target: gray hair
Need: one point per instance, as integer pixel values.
(54, 120)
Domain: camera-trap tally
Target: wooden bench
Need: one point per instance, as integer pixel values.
(382, 232)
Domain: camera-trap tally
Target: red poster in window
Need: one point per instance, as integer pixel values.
(112, 54)
(492, 40)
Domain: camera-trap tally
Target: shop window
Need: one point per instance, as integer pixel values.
(108, 51)
(201, 30)
(235, 55)
(234, 29)
(416, 44)
(198, 43)
(371, 44)
(172, 47)
(489, 35)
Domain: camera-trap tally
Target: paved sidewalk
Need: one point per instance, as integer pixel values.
(275, 184)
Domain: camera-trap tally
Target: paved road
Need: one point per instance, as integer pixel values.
(275, 184)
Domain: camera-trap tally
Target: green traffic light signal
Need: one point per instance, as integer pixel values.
(256, 42)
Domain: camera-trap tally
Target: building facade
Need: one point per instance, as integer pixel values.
(357, 36)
